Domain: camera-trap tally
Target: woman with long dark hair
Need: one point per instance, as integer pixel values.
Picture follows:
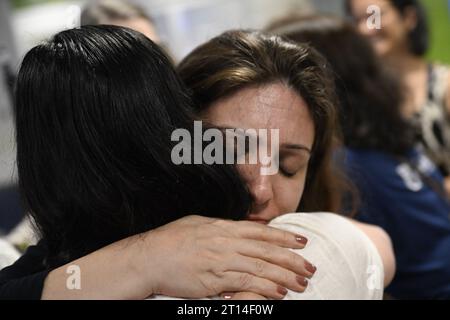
(103, 171)
(95, 110)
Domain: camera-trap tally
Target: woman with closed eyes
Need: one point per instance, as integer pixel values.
(93, 142)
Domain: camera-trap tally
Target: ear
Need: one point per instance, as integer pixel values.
(410, 18)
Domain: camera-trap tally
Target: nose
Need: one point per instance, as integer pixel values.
(261, 190)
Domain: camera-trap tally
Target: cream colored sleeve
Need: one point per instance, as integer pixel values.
(8, 254)
(349, 266)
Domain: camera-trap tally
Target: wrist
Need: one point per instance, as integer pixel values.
(142, 263)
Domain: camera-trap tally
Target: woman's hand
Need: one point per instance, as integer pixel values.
(197, 257)
(194, 257)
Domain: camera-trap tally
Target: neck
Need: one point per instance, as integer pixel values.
(406, 63)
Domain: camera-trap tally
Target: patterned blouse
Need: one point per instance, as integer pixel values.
(433, 121)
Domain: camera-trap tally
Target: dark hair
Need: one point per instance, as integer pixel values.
(95, 110)
(419, 37)
(370, 97)
(103, 11)
(239, 59)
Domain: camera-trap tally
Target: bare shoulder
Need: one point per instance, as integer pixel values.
(383, 243)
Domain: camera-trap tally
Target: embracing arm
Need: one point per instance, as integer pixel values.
(193, 257)
(109, 273)
(29, 279)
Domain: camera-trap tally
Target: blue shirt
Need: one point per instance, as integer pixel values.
(416, 216)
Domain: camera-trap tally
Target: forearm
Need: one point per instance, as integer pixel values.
(113, 272)
(193, 257)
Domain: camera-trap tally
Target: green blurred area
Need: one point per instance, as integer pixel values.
(24, 3)
(439, 19)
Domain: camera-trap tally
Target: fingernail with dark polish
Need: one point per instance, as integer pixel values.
(308, 266)
(302, 281)
(301, 240)
(281, 290)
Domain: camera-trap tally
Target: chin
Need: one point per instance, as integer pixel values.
(381, 48)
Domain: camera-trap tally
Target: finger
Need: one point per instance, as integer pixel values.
(245, 282)
(273, 254)
(257, 231)
(227, 295)
(274, 273)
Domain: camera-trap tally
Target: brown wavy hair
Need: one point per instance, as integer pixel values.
(238, 59)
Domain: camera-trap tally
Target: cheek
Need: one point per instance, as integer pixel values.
(288, 192)
(248, 172)
(393, 27)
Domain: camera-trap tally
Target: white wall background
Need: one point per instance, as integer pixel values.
(183, 24)
(7, 58)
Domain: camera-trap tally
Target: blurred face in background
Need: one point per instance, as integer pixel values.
(139, 24)
(392, 38)
(272, 106)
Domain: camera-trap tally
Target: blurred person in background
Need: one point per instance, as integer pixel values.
(120, 13)
(6, 70)
(401, 189)
(402, 42)
(11, 211)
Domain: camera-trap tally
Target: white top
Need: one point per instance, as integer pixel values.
(349, 266)
(8, 254)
